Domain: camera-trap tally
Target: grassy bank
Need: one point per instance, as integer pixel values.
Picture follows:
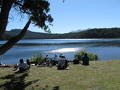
(100, 75)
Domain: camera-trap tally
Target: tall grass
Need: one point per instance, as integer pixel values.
(92, 56)
(37, 58)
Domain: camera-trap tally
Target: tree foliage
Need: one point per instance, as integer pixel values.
(37, 11)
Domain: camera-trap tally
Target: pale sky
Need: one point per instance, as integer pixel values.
(76, 15)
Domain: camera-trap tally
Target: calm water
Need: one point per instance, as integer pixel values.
(105, 48)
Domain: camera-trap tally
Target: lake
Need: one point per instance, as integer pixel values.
(106, 49)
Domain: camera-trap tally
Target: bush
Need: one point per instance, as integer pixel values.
(37, 59)
(92, 56)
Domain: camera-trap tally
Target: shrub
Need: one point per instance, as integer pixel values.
(37, 59)
(91, 56)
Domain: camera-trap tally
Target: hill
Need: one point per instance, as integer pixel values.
(90, 33)
(99, 33)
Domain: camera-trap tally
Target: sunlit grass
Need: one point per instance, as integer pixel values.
(100, 75)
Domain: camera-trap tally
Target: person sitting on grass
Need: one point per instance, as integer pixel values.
(77, 60)
(85, 59)
(62, 63)
(22, 66)
(45, 60)
(28, 63)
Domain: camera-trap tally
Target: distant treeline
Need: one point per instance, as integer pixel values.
(90, 33)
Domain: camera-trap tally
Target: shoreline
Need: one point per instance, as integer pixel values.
(12, 65)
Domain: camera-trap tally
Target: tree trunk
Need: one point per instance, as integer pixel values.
(4, 13)
(12, 41)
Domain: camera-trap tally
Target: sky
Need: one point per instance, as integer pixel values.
(72, 15)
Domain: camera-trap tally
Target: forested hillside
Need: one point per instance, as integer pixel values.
(90, 33)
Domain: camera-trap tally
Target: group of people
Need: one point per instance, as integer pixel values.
(47, 61)
(61, 63)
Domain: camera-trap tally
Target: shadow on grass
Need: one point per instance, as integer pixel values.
(56, 88)
(53, 88)
(16, 81)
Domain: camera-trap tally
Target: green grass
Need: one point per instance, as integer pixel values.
(100, 75)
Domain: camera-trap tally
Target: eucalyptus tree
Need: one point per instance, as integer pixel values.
(37, 11)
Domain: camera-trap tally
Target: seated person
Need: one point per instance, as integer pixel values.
(45, 60)
(76, 61)
(0, 63)
(22, 66)
(55, 57)
(85, 59)
(28, 63)
(62, 63)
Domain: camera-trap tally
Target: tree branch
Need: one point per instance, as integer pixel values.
(12, 41)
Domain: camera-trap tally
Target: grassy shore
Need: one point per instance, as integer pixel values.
(100, 75)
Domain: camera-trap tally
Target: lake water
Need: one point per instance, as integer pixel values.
(105, 48)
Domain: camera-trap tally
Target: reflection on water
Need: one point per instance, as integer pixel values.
(65, 50)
